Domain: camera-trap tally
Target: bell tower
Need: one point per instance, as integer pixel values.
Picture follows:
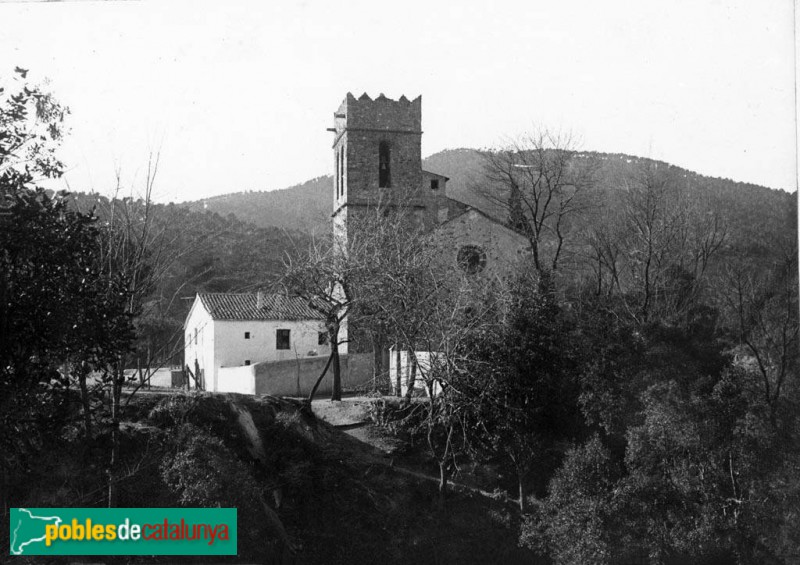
(377, 158)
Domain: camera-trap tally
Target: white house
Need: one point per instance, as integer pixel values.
(233, 330)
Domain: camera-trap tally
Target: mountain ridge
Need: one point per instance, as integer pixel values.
(307, 206)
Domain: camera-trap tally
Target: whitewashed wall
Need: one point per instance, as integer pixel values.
(231, 349)
(295, 377)
(236, 379)
(199, 323)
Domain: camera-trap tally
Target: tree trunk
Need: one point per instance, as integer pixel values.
(412, 380)
(319, 380)
(336, 391)
(377, 361)
(87, 416)
(116, 392)
(444, 475)
(399, 372)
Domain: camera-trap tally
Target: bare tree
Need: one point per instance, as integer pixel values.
(604, 235)
(452, 312)
(540, 183)
(350, 283)
(139, 251)
(653, 212)
(431, 313)
(651, 240)
(764, 310)
(324, 280)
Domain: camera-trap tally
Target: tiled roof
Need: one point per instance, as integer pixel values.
(228, 306)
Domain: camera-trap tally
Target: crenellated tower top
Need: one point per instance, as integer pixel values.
(380, 114)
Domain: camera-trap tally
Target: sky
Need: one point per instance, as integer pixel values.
(237, 95)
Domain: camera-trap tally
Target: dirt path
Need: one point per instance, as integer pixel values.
(453, 484)
(379, 447)
(346, 412)
(350, 417)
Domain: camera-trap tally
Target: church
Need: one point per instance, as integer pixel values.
(377, 151)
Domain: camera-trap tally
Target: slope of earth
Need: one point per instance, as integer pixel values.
(305, 492)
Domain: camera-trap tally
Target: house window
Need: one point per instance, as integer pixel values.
(247, 335)
(282, 339)
(384, 165)
(322, 338)
(434, 184)
(247, 361)
(195, 336)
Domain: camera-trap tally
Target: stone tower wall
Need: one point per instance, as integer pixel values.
(360, 127)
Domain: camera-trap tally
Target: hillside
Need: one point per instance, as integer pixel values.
(748, 207)
(303, 207)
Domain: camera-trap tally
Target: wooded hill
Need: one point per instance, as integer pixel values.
(750, 209)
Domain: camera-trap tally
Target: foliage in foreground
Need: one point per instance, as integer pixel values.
(312, 496)
(689, 462)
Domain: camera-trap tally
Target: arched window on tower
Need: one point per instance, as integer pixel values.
(384, 169)
(341, 172)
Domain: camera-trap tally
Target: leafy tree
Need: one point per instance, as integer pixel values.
(575, 523)
(31, 127)
(522, 378)
(59, 311)
(702, 470)
(705, 478)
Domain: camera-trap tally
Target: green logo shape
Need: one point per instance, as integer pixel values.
(123, 531)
